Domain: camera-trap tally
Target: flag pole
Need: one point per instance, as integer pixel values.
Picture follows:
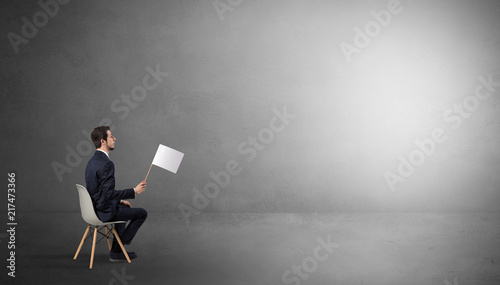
(148, 172)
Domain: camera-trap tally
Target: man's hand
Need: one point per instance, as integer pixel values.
(126, 203)
(140, 187)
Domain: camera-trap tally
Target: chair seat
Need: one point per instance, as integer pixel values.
(109, 223)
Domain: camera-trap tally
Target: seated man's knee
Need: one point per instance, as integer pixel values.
(144, 213)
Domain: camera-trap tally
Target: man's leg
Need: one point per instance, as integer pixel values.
(137, 216)
(119, 229)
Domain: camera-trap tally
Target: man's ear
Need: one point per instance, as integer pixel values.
(103, 142)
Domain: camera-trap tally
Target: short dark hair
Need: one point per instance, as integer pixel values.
(98, 134)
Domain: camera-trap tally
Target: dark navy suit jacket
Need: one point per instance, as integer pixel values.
(100, 179)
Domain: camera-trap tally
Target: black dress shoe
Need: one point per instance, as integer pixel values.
(119, 256)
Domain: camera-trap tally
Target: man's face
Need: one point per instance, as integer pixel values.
(110, 142)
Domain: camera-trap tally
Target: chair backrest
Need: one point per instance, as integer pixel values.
(86, 206)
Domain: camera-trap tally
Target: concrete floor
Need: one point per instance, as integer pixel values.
(365, 248)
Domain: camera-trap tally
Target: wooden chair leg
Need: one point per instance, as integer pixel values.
(107, 237)
(120, 242)
(93, 248)
(81, 243)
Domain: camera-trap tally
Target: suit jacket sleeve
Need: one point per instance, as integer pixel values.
(108, 185)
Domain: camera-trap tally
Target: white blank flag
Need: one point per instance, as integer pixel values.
(168, 158)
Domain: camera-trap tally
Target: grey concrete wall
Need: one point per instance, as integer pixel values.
(358, 94)
(373, 125)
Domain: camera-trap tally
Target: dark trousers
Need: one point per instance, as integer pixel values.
(137, 216)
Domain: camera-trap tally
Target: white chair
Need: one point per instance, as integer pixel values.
(94, 224)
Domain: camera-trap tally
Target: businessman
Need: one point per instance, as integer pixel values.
(109, 203)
